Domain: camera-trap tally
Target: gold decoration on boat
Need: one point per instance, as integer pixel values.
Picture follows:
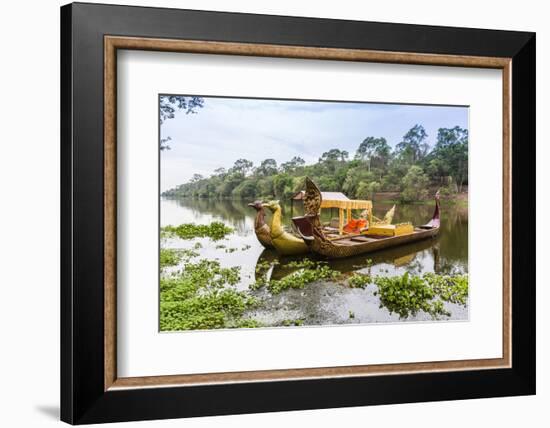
(262, 230)
(348, 245)
(284, 242)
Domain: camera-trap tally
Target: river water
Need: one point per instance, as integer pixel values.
(324, 303)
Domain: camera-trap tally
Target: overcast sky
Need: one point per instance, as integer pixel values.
(227, 129)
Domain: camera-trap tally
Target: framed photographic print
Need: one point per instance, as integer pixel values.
(264, 213)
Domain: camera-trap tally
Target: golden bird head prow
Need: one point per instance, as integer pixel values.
(272, 205)
(257, 205)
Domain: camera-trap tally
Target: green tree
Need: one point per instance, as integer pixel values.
(374, 151)
(332, 159)
(267, 167)
(169, 104)
(282, 186)
(220, 172)
(367, 190)
(415, 184)
(292, 165)
(410, 170)
(450, 155)
(196, 178)
(413, 147)
(264, 187)
(246, 189)
(242, 166)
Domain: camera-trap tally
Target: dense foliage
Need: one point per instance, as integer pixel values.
(411, 169)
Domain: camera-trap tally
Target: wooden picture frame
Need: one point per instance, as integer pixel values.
(91, 390)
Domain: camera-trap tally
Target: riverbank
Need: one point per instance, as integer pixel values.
(458, 199)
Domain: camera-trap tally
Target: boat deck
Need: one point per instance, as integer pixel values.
(348, 240)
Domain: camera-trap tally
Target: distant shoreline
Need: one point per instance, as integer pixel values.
(460, 199)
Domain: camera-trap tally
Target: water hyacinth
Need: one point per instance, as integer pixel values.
(407, 294)
(203, 296)
(299, 279)
(215, 231)
(359, 280)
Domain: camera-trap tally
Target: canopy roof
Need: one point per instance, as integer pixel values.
(332, 196)
(349, 204)
(337, 200)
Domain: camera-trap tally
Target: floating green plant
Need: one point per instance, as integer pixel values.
(407, 294)
(293, 322)
(203, 296)
(169, 257)
(215, 231)
(173, 256)
(298, 279)
(359, 280)
(248, 323)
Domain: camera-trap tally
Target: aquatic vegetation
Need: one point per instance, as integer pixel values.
(303, 264)
(359, 280)
(169, 257)
(203, 296)
(299, 279)
(452, 289)
(264, 265)
(173, 256)
(256, 285)
(408, 294)
(220, 246)
(246, 247)
(295, 322)
(248, 323)
(215, 231)
(351, 314)
(230, 250)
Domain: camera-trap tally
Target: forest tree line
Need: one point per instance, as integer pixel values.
(412, 168)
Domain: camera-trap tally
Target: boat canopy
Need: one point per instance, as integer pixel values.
(325, 195)
(343, 203)
(346, 204)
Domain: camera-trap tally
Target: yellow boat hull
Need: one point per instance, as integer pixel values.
(289, 245)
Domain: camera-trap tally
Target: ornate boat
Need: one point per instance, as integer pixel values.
(286, 243)
(377, 237)
(262, 230)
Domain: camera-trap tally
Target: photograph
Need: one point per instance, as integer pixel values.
(282, 213)
(280, 209)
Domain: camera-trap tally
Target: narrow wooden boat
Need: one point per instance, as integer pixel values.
(262, 230)
(286, 243)
(346, 245)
